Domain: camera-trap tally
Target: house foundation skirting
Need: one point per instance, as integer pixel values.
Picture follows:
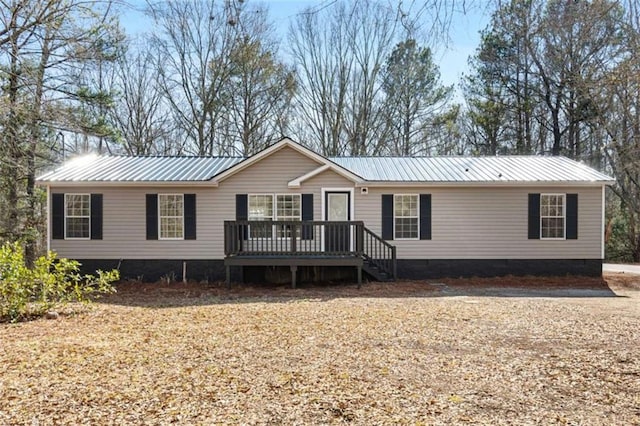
(454, 268)
(148, 270)
(214, 270)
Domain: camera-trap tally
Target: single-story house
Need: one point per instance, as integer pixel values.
(290, 213)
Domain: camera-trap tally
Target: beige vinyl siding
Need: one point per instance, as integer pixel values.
(268, 176)
(274, 171)
(328, 180)
(124, 227)
(468, 223)
(489, 223)
(124, 211)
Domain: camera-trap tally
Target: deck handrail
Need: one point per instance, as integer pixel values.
(379, 253)
(274, 237)
(312, 238)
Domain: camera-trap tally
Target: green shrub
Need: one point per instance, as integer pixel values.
(51, 282)
(618, 245)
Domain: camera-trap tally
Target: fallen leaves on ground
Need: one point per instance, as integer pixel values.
(447, 352)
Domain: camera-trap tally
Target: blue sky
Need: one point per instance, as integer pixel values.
(452, 60)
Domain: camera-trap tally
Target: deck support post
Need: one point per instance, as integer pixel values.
(228, 278)
(395, 262)
(359, 269)
(294, 269)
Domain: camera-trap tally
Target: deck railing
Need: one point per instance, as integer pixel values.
(308, 238)
(379, 253)
(293, 238)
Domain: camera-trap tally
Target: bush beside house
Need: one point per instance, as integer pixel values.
(27, 292)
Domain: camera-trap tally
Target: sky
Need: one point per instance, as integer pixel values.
(452, 60)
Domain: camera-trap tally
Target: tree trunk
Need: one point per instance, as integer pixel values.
(35, 136)
(13, 158)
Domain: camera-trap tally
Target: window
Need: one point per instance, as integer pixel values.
(171, 216)
(552, 216)
(260, 208)
(406, 217)
(77, 216)
(267, 207)
(288, 207)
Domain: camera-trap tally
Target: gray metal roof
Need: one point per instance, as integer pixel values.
(471, 169)
(505, 169)
(106, 168)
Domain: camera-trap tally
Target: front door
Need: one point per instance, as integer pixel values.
(337, 237)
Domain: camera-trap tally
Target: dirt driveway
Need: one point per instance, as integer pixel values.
(454, 352)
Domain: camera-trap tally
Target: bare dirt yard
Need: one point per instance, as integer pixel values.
(507, 351)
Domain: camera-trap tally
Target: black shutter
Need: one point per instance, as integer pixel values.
(189, 216)
(307, 214)
(242, 207)
(387, 216)
(572, 217)
(242, 212)
(425, 216)
(152, 216)
(57, 216)
(534, 216)
(96, 216)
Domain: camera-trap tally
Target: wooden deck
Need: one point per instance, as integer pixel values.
(293, 262)
(305, 243)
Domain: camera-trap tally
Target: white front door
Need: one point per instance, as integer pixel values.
(337, 237)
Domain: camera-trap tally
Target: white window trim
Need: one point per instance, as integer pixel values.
(274, 212)
(160, 237)
(417, 238)
(275, 204)
(66, 216)
(323, 194)
(564, 217)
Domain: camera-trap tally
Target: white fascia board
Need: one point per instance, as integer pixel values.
(286, 142)
(323, 160)
(297, 182)
(390, 184)
(127, 184)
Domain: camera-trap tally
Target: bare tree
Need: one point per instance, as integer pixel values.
(321, 53)
(339, 54)
(194, 39)
(339, 51)
(575, 46)
(260, 86)
(371, 36)
(140, 114)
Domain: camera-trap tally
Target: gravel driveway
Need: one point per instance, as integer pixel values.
(617, 267)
